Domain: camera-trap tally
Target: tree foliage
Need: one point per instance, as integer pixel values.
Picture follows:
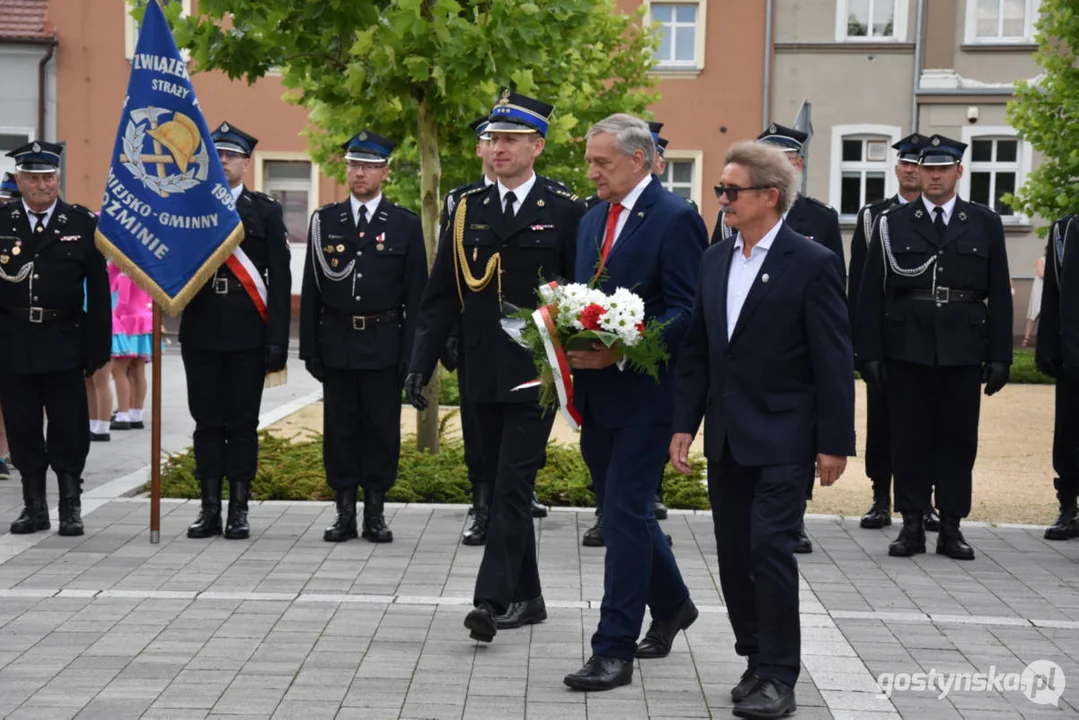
(1046, 114)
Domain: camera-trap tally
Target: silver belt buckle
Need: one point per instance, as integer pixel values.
(359, 322)
(221, 285)
(37, 315)
(942, 295)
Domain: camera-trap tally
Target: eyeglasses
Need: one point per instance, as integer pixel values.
(731, 191)
(229, 155)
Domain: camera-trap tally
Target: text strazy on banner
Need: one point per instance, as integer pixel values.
(167, 216)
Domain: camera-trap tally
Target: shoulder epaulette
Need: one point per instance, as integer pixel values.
(818, 203)
(326, 206)
(84, 210)
(473, 191)
(410, 211)
(559, 190)
(264, 196)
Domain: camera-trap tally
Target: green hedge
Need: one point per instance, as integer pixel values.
(292, 470)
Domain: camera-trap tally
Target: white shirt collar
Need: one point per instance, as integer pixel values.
(900, 199)
(948, 207)
(765, 243)
(371, 206)
(520, 192)
(237, 191)
(33, 220)
(487, 181)
(634, 195)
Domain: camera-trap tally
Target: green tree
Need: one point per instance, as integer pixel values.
(1045, 112)
(419, 71)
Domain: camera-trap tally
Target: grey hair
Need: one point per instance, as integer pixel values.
(768, 167)
(630, 135)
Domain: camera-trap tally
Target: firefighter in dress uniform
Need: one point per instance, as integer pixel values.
(1057, 355)
(505, 238)
(47, 253)
(934, 322)
(229, 341)
(363, 279)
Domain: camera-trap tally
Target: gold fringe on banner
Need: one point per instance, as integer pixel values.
(171, 305)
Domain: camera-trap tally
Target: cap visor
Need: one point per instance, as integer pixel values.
(509, 127)
(930, 160)
(37, 168)
(367, 158)
(231, 147)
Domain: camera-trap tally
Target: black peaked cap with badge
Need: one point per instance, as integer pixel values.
(230, 138)
(517, 113)
(37, 157)
(940, 150)
(909, 149)
(785, 138)
(369, 147)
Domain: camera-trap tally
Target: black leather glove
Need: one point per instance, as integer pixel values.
(995, 376)
(314, 366)
(1048, 366)
(276, 357)
(449, 354)
(874, 374)
(414, 390)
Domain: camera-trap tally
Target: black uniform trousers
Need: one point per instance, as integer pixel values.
(470, 432)
(878, 440)
(514, 449)
(1065, 427)
(224, 393)
(27, 400)
(756, 512)
(934, 415)
(362, 434)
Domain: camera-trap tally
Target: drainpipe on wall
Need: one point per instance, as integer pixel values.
(768, 63)
(919, 27)
(50, 48)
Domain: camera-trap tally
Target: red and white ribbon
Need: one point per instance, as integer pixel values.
(556, 356)
(248, 275)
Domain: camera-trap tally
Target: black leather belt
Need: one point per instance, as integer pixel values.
(223, 285)
(38, 315)
(363, 322)
(942, 295)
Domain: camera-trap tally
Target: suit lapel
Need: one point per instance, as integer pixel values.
(53, 229)
(376, 225)
(638, 214)
(722, 278)
(923, 223)
(531, 209)
(775, 263)
(958, 224)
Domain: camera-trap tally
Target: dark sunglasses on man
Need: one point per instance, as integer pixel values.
(731, 191)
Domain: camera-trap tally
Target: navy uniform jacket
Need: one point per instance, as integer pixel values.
(48, 272)
(539, 243)
(809, 217)
(1058, 329)
(230, 321)
(893, 325)
(859, 245)
(657, 256)
(781, 389)
(346, 276)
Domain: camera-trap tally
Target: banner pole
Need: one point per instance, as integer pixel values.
(155, 430)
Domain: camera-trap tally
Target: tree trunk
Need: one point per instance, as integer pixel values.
(430, 174)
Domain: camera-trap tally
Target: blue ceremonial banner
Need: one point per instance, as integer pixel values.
(167, 218)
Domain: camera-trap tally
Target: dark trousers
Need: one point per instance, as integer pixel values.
(65, 442)
(878, 440)
(224, 392)
(361, 411)
(756, 512)
(470, 432)
(1065, 428)
(639, 567)
(514, 449)
(934, 416)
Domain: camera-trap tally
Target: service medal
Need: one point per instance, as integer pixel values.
(16, 250)
(340, 248)
(380, 246)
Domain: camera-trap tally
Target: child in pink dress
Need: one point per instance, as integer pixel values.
(132, 343)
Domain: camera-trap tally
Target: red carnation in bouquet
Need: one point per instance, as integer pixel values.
(590, 316)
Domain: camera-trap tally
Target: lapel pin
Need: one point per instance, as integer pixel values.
(16, 214)
(333, 262)
(918, 214)
(962, 216)
(4, 259)
(380, 246)
(341, 248)
(486, 201)
(539, 203)
(61, 218)
(765, 278)
(328, 248)
(640, 214)
(16, 250)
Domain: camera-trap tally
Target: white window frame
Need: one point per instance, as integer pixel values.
(970, 35)
(262, 157)
(891, 135)
(1024, 159)
(697, 158)
(682, 69)
(899, 24)
(29, 132)
(129, 28)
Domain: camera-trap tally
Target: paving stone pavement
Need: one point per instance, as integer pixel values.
(285, 625)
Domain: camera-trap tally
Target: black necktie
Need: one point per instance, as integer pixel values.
(362, 224)
(39, 226)
(938, 221)
(507, 212)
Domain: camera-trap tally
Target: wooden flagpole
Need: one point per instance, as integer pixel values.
(155, 430)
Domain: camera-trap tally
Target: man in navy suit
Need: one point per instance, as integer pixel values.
(648, 240)
(767, 360)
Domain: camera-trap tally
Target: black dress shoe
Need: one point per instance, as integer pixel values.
(593, 536)
(539, 510)
(931, 520)
(950, 542)
(879, 515)
(519, 614)
(659, 509)
(661, 633)
(804, 546)
(749, 681)
(481, 623)
(1066, 526)
(911, 540)
(601, 673)
(768, 699)
(99, 437)
(120, 425)
(138, 425)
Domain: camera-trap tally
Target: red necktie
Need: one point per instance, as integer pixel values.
(613, 213)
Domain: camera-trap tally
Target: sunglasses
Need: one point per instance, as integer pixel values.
(731, 191)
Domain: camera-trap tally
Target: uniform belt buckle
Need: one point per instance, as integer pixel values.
(359, 322)
(221, 285)
(37, 315)
(942, 295)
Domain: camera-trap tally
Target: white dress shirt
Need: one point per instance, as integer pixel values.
(948, 207)
(236, 191)
(627, 203)
(743, 272)
(33, 220)
(520, 192)
(371, 206)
